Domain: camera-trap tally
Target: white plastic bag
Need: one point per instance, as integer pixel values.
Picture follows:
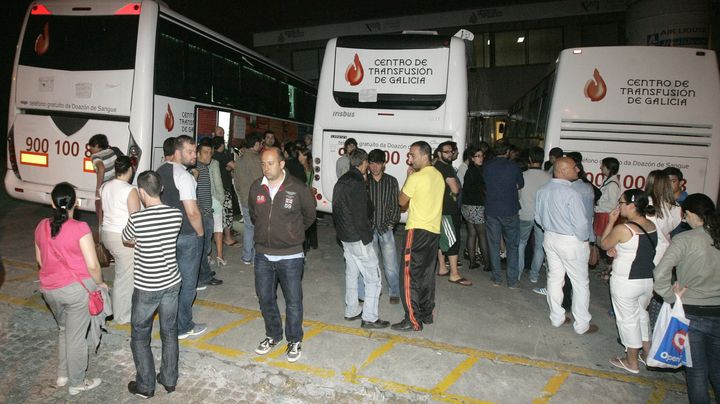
(670, 346)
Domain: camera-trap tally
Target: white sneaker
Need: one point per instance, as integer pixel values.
(88, 384)
(61, 381)
(266, 346)
(294, 351)
(540, 291)
(197, 330)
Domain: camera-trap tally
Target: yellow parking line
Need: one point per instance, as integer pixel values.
(658, 394)
(279, 352)
(552, 387)
(402, 388)
(305, 368)
(455, 374)
(225, 328)
(351, 375)
(225, 351)
(390, 340)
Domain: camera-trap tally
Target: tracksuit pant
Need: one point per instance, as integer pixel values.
(417, 280)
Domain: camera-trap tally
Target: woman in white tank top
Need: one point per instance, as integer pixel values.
(631, 283)
(119, 200)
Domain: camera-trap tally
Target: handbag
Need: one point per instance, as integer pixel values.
(96, 304)
(670, 346)
(103, 255)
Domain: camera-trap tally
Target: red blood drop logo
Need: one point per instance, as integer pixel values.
(595, 88)
(354, 73)
(679, 340)
(42, 42)
(169, 119)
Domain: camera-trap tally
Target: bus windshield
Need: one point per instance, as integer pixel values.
(80, 43)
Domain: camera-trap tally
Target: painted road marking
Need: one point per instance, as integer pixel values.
(660, 388)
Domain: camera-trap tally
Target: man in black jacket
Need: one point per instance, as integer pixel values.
(281, 208)
(352, 212)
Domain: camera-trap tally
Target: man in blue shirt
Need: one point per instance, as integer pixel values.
(559, 211)
(502, 179)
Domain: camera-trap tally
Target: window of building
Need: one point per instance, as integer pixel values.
(510, 48)
(544, 45)
(600, 35)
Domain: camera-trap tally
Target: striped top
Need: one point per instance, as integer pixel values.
(204, 191)
(107, 157)
(155, 231)
(384, 197)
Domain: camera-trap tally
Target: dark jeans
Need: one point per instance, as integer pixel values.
(144, 305)
(705, 350)
(189, 250)
(509, 228)
(289, 274)
(205, 272)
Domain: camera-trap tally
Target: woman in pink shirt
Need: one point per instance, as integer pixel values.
(65, 251)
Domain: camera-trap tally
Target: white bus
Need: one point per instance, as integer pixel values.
(649, 107)
(387, 92)
(138, 73)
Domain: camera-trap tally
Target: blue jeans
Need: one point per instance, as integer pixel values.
(524, 230)
(385, 247)
(248, 235)
(189, 250)
(205, 272)
(705, 350)
(538, 253)
(361, 265)
(508, 227)
(289, 274)
(144, 305)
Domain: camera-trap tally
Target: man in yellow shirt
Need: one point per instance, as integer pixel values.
(422, 233)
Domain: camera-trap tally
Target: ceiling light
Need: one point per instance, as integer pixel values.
(521, 39)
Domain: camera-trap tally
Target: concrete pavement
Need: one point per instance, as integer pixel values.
(487, 344)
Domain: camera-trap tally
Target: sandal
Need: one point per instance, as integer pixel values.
(233, 244)
(461, 281)
(618, 363)
(220, 261)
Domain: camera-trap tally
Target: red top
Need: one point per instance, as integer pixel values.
(54, 273)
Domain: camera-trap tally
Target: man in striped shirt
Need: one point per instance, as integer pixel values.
(383, 191)
(154, 232)
(206, 277)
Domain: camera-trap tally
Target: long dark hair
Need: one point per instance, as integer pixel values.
(704, 208)
(63, 197)
(638, 198)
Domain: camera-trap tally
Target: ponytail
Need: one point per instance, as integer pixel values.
(638, 198)
(63, 197)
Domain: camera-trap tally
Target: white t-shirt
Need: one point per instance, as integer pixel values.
(114, 196)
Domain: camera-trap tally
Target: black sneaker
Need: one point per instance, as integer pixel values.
(406, 325)
(266, 346)
(353, 318)
(132, 388)
(169, 389)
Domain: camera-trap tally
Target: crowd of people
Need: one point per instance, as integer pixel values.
(515, 210)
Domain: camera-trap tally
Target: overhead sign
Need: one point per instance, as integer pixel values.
(369, 72)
